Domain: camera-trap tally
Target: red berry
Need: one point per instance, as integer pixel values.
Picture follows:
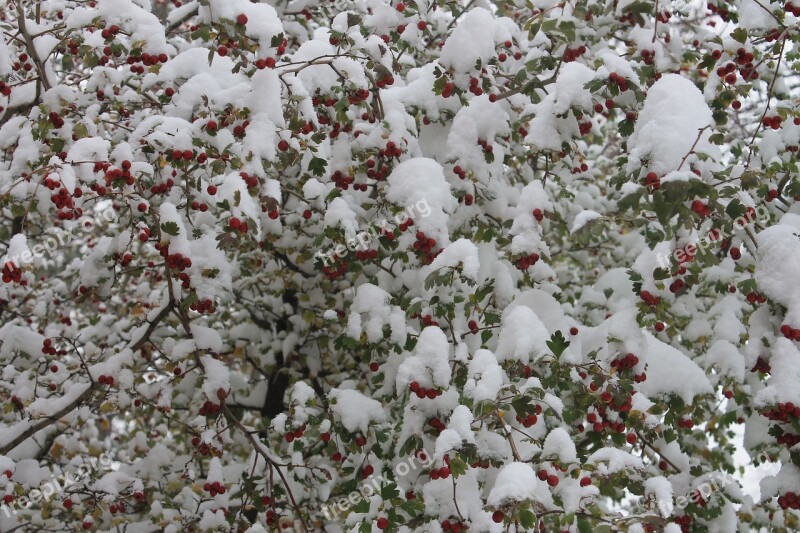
(498, 516)
(241, 19)
(631, 438)
(283, 146)
(586, 481)
(422, 25)
(552, 480)
(382, 523)
(401, 7)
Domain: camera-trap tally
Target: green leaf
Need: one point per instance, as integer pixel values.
(739, 34)
(557, 343)
(317, 166)
(527, 519)
(170, 228)
(389, 491)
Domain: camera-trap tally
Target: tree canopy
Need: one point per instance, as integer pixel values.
(378, 265)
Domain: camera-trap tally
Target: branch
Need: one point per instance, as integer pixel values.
(31, 46)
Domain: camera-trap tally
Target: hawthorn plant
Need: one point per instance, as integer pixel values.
(518, 266)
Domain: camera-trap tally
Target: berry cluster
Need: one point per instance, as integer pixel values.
(237, 225)
(343, 181)
(790, 333)
(527, 261)
(203, 448)
(601, 420)
(755, 297)
(676, 286)
(552, 479)
(460, 172)
(648, 56)
(289, 436)
(649, 298)
(441, 473)
(48, 348)
(55, 119)
(118, 507)
(531, 419)
(144, 235)
(783, 412)
(335, 270)
(652, 180)
(423, 392)
(685, 522)
(437, 425)
(12, 274)
(571, 54)
(790, 500)
(701, 208)
(425, 247)
(366, 255)
(761, 366)
(454, 525)
(214, 488)
(203, 306)
(105, 380)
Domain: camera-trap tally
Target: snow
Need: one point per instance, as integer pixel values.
(462, 252)
(517, 482)
(669, 123)
(776, 272)
(421, 181)
(583, 218)
(670, 372)
(558, 443)
(485, 377)
(430, 363)
(612, 460)
(784, 377)
(523, 336)
(355, 410)
(470, 41)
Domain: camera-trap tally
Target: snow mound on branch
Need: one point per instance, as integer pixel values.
(522, 335)
(776, 268)
(486, 377)
(262, 25)
(419, 185)
(612, 460)
(373, 303)
(144, 27)
(785, 375)
(462, 252)
(481, 120)
(559, 444)
(430, 364)
(472, 40)
(674, 111)
(547, 129)
(356, 411)
(518, 482)
(670, 372)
